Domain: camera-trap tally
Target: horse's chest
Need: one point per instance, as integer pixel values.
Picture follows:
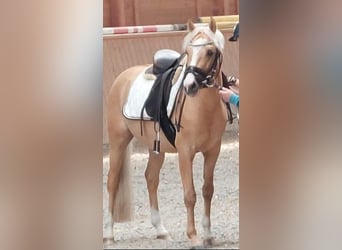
(200, 137)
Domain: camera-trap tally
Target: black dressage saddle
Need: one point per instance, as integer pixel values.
(165, 64)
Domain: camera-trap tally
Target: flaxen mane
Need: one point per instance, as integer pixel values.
(216, 37)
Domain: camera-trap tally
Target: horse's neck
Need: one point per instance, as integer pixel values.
(207, 104)
(204, 118)
(179, 70)
(206, 99)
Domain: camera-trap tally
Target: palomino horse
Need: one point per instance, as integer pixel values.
(201, 117)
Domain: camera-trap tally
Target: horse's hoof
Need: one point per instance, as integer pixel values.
(108, 243)
(164, 237)
(208, 242)
(196, 244)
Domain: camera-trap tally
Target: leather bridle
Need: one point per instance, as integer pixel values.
(205, 79)
(202, 80)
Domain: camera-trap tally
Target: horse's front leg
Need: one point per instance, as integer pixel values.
(154, 165)
(185, 167)
(210, 158)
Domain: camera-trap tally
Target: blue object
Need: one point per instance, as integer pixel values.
(234, 99)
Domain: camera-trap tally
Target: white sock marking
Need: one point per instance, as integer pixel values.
(206, 227)
(156, 222)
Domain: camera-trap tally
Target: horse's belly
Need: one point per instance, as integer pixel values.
(148, 136)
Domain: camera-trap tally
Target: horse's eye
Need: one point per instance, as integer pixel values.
(210, 53)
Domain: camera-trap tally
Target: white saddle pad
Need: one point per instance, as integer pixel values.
(139, 92)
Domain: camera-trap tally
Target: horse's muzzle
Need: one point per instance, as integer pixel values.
(192, 89)
(190, 84)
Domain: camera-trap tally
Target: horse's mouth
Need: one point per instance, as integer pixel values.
(192, 89)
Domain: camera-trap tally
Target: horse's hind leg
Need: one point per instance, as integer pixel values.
(116, 178)
(154, 165)
(210, 159)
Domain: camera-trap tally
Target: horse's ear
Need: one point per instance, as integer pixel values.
(212, 24)
(191, 25)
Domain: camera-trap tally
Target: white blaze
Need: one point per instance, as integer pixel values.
(190, 78)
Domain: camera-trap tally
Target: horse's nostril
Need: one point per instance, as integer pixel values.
(192, 89)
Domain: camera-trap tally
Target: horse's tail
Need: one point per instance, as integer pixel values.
(123, 209)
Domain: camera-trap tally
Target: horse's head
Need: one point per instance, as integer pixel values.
(204, 47)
